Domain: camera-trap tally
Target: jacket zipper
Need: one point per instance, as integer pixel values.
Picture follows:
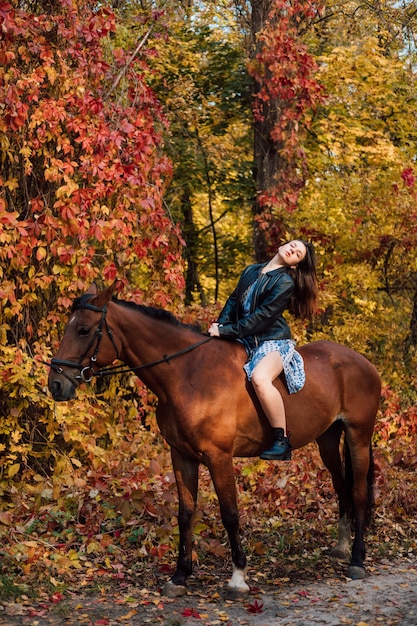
(261, 281)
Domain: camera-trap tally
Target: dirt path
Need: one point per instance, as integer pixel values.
(388, 596)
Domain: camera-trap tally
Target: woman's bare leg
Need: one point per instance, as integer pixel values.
(264, 373)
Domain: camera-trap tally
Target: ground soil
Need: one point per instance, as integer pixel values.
(278, 597)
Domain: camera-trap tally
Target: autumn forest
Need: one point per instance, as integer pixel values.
(168, 144)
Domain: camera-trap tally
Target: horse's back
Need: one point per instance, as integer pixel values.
(337, 364)
(340, 384)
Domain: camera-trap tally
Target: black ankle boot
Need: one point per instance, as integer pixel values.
(280, 449)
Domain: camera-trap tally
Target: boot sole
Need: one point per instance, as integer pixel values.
(275, 457)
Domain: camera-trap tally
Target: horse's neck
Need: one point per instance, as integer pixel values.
(146, 341)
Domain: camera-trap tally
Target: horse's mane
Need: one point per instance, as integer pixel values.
(158, 314)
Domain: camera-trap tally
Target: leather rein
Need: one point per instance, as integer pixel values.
(87, 372)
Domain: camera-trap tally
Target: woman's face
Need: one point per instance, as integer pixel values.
(292, 253)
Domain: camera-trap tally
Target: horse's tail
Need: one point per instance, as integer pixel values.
(370, 477)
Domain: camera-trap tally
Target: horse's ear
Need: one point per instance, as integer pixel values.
(117, 286)
(106, 295)
(93, 289)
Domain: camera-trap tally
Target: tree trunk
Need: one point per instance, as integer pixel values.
(267, 160)
(192, 279)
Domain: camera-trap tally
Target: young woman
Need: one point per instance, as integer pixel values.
(253, 314)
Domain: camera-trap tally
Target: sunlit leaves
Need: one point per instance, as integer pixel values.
(200, 76)
(81, 188)
(86, 159)
(87, 487)
(358, 205)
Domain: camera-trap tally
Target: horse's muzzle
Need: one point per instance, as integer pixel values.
(61, 388)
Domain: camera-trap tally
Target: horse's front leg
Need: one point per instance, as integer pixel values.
(186, 476)
(220, 466)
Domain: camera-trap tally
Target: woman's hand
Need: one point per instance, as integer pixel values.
(213, 331)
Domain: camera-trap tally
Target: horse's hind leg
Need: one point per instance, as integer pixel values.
(362, 496)
(186, 476)
(329, 446)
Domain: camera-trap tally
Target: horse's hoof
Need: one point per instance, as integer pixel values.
(338, 552)
(236, 593)
(173, 591)
(355, 572)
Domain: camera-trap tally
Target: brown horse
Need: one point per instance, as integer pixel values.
(208, 414)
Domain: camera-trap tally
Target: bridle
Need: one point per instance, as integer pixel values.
(88, 372)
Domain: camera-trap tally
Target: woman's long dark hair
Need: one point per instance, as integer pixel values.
(303, 303)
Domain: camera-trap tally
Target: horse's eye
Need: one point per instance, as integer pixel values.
(83, 331)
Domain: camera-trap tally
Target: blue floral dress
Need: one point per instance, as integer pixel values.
(292, 360)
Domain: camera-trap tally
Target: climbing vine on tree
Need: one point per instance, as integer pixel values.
(286, 94)
(81, 186)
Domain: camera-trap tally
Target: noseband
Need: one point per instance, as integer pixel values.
(87, 372)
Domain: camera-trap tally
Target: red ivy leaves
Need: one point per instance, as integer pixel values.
(255, 607)
(408, 177)
(284, 70)
(191, 613)
(5, 15)
(84, 175)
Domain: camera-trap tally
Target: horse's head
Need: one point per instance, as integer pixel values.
(87, 345)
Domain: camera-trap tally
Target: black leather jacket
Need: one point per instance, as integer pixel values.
(269, 301)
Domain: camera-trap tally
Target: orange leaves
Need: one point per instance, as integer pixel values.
(80, 199)
(16, 117)
(8, 218)
(40, 253)
(16, 111)
(84, 150)
(396, 430)
(110, 272)
(5, 8)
